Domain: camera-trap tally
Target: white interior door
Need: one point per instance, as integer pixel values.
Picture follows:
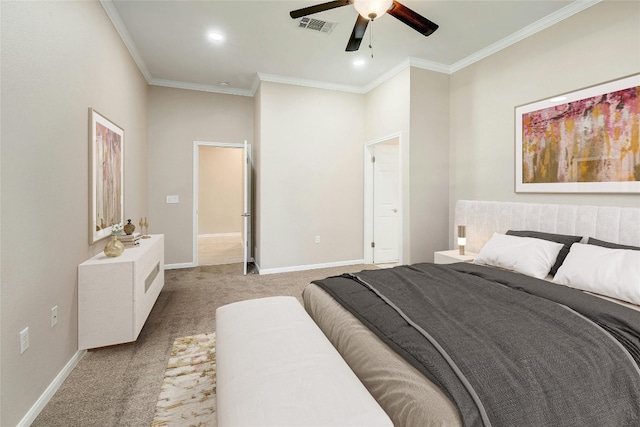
(246, 235)
(386, 198)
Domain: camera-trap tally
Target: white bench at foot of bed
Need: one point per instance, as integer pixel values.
(275, 367)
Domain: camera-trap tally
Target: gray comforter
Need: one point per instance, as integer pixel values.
(508, 349)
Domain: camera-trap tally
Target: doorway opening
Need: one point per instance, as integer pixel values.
(383, 202)
(221, 210)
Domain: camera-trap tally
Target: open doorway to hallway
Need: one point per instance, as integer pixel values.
(220, 205)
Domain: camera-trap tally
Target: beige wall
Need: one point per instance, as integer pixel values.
(177, 118)
(387, 111)
(429, 163)
(310, 176)
(415, 104)
(256, 170)
(220, 190)
(58, 59)
(599, 44)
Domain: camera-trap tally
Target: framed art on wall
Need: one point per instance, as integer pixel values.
(587, 141)
(106, 180)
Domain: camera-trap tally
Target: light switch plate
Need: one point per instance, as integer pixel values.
(173, 199)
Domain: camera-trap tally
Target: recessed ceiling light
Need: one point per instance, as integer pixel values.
(359, 62)
(215, 36)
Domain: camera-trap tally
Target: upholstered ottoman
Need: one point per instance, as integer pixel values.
(275, 367)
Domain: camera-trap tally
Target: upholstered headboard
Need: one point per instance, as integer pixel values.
(482, 219)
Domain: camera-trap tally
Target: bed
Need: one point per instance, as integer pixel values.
(491, 346)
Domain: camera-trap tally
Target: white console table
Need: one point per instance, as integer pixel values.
(116, 295)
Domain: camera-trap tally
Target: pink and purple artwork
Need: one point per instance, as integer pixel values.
(109, 182)
(106, 186)
(594, 139)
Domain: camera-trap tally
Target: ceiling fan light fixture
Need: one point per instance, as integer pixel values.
(372, 9)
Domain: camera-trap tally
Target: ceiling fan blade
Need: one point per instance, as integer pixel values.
(298, 13)
(357, 34)
(412, 19)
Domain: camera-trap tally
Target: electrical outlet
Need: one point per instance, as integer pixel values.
(317, 239)
(54, 316)
(24, 340)
(173, 199)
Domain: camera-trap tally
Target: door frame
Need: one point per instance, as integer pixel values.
(196, 187)
(368, 197)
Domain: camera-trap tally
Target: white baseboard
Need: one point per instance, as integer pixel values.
(42, 401)
(308, 267)
(186, 265)
(179, 265)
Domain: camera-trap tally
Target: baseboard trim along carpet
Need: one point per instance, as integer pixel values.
(309, 267)
(188, 393)
(42, 401)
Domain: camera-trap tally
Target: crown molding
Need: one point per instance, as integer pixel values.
(430, 65)
(256, 85)
(388, 75)
(116, 20)
(201, 87)
(308, 83)
(542, 24)
(409, 62)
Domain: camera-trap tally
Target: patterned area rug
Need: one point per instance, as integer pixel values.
(188, 393)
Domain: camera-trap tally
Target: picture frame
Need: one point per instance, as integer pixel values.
(580, 142)
(106, 176)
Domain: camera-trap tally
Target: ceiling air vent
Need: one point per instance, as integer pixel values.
(313, 24)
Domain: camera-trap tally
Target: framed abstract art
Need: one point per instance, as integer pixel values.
(587, 141)
(106, 175)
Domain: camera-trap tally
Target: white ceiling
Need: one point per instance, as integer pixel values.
(168, 40)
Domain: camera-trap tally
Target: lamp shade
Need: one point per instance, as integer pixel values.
(372, 9)
(462, 238)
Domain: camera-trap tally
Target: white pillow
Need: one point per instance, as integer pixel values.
(526, 255)
(611, 272)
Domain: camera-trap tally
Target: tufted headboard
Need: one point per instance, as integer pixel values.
(482, 219)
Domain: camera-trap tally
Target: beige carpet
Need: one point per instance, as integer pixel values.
(188, 393)
(119, 386)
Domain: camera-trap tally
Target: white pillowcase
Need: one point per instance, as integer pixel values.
(526, 255)
(611, 272)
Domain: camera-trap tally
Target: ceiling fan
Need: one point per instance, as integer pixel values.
(368, 10)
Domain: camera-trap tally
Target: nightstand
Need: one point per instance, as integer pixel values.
(449, 257)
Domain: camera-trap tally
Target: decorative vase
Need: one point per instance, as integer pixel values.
(114, 247)
(129, 228)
